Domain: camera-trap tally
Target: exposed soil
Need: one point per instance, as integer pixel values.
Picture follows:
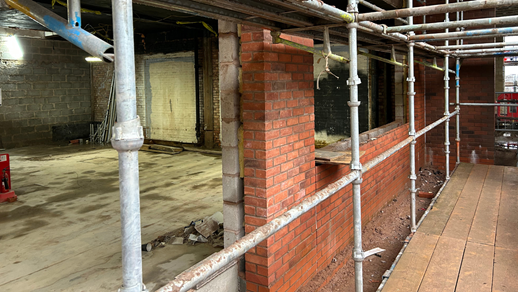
(388, 230)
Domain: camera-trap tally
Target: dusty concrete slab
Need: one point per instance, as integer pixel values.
(64, 231)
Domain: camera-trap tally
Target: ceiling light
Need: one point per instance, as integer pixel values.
(93, 59)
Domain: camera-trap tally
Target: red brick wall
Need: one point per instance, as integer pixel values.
(278, 122)
(476, 123)
(280, 170)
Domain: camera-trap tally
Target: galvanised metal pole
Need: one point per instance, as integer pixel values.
(477, 46)
(482, 51)
(457, 107)
(411, 123)
(435, 9)
(127, 139)
(76, 35)
(376, 8)
(471, 33)
(487, 22)
(74, 12)
(447, 102)
(356, 166)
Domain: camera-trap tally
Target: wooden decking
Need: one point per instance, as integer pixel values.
(469, 240)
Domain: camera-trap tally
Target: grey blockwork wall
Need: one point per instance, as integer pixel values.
(46, 95)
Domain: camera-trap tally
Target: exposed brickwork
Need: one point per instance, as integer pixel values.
(278, 121)
(49, 89)
(280, 169)
(476, 85)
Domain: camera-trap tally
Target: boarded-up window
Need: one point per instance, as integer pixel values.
(171, 97)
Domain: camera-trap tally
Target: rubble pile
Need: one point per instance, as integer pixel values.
(207, 230)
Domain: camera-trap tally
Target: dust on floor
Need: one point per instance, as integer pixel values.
(388, 230)
(63, 233)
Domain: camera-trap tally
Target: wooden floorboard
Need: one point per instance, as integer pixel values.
(441, 211)
(507, 232)
(461, 218)
(444, 265)
(483, 229)
(476, 272)
(505, 277)
(413, 263)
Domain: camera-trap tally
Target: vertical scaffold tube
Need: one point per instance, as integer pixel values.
(447, 102)
(411, 124)
(457, 107)
(127, 139)
(353, 103)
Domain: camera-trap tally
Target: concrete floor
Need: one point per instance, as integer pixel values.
(63, 233)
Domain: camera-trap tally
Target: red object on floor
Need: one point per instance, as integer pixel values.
(6, 194)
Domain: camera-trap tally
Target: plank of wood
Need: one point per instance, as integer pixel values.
(344, 159)
(441, 211)
(444, 266)
(505, 273)
(483, 228)
(506, 234)
(476, 272)
(329, 155)
(411, 268)
(461, 218)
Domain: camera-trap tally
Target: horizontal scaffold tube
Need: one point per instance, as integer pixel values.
(488, 104)
(463, 34)
(478, 46)
(493, 54)
(436, 9)
(486, 22)
(376, 8)
(327, 9)
(378, 159)
(74, 34)
(480, 51)
(426, 64)
(278, 40)
(192, 276)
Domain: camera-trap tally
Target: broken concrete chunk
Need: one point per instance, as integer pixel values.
(177, 240)
(207, 227)
(218, 217)
(201, 239)
(193, 237)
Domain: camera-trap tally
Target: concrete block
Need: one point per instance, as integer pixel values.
(17, 78)
(230, 160)
(234, 215)
(21, 86)
(33, 107)
(35, 122)
(33, 92)
(41, 85)
(232, 188)
(232, 236)
(228, 281)
(32, 77)
(58, 77)
(228, 78)
(229, 133)
(230, 105)
(227, 49)
(226, 26)
(45, 77)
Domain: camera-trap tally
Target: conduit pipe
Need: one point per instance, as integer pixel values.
(411, 123)
(486, 22)
(127, 139)
(74, 13)
(446, 101)
(74, 34)
(435, 9)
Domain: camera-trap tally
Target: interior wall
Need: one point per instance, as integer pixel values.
(45, 94)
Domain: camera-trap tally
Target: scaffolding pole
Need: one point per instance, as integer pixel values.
(486, 22)
(411, 123)
(127, 139)
(483, 51)
(477, 46)
(446, 101)
(435, 9)
(74, 13)
(376, 8)
(470, 33)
